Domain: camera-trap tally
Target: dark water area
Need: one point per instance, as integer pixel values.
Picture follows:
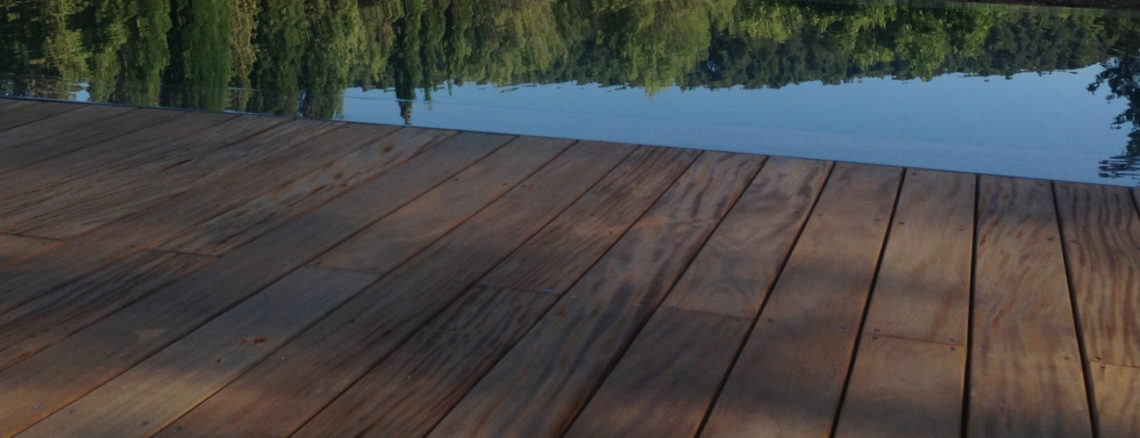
(1012, 90)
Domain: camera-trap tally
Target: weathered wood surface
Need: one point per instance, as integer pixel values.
(397, 281)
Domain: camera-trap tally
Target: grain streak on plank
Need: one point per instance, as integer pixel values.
(790, 374)
(13, 249)
(418, 384)
(80, 119)
(50, 318)
(546, 378)
(242, 224)
(31, 113)
(1026, 378)
(164, 316)
(1116, 390)
(905, 388)
(327, 358)
(148, 396)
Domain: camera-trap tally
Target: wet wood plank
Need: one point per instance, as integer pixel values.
(922, 294)
(904, 387)
(666, 381)
(791, 372)
(242, 224)
(16, 248)
(80, 119)
(413, 388)
(49, 319)
(26, 114)
(71, 141)
(144, 399)
(324, 360)
(537, 389)
(1026, 378)
(1118, 407)
(139, 330)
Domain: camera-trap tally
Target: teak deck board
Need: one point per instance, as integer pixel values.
(181, 273)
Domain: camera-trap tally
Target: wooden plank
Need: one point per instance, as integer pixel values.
(325, 359)
(903, 387)
(104, 156)
(69, 141)
(414, 387)
(158, 223)
(909, 375)
(16, 248)
(144, 399)
(1118, 407)
(139, 330)
(1026, 378)
(85, 202)
(545, 379)
(923, 288)
(79, 119)
(49, 319)
(382, 247)
(1102, 241)
(666, 381)
(242, 224)
(664, 385)
(737, 266)
(790, 374)
(31, 113)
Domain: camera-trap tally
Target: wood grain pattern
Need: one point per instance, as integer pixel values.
(80, 119)
(383, 246)
(1102, 240)
(139, 330)
(546, 378)
(904, 388)
(69, 141)
(142, 400)
(736, 268)
(666, 381)
(1118, 407)
(26, 114)
(48, 319)
(413, 388)
(791, 372)
(242, 224)
(16, 248)
(1026, 377)
(324, 360)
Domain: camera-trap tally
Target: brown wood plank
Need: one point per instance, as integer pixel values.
(905, 388)
(79, 119)
(909, 375)
(664, 385)
(144, 399)
(737, 266)
(48, 319)
(96, 159)
(420, 222)
(139, 330)
(1026, 378)
(790, 374)
(1101, 238)
(71, 141)
(16, 248)
(88, 201)
(31, 113)
(325, 359)
(407, 393)
(242, 224)
(545, 379)
(665, 382)
(1117, 404)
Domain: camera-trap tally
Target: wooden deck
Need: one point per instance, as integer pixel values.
(189, 274)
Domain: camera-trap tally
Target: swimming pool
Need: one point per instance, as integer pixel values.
(1011, 90)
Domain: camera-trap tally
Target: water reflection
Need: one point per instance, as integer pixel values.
(298, 56)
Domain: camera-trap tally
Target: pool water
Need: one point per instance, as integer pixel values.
(1010, 90)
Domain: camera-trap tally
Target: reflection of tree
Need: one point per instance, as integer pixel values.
(1122, 75)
